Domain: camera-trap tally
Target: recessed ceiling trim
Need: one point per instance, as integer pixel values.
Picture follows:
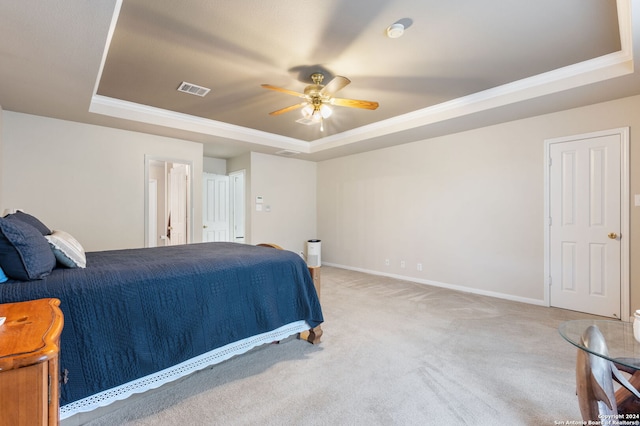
(599, 69)
(112, 29)
(588, 72)
(625, 26)
(161, 117)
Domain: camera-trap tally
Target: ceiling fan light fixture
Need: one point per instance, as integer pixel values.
(307, 111)
(395, 30)
(325, 111)
(316, 113)
(317, 99)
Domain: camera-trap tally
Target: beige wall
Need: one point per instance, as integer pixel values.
(288, 188)
(87, 180)
(217, 166)
(467, 206)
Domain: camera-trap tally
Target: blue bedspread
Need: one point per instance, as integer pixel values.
(135, 312)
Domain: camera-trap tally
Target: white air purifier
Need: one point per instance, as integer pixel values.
(313, 252)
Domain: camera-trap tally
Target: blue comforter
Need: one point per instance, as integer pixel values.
(135, 312)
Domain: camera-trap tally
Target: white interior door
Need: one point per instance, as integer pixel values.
(177, 215)
(215, 215)
(585, 197)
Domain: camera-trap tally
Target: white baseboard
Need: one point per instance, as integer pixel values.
(505, 296)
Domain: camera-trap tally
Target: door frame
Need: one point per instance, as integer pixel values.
(152, 214)
(237, 205)
(625, 290)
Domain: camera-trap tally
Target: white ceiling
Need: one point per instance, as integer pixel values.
(460, 64)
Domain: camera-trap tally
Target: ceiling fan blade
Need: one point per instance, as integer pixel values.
(354, 103)
(280, 89)
(334, 85)
(287, 109)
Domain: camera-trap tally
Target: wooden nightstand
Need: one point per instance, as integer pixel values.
(29, 347)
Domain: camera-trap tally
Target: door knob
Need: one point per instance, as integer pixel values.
(204, 226)
(612, 235)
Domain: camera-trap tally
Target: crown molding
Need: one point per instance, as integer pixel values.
(162, 117)
(588, 72)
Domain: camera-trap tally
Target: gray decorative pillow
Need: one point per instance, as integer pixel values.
(67, 250)
(24, 253)
(31, 220)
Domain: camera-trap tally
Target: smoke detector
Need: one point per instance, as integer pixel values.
(395, 30)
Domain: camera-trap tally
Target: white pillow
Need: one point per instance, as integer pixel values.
(67, 250)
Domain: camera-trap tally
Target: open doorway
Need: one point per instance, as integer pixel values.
(168, 202)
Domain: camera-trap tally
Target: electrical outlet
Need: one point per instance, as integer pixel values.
(419, 266)
(403, 263)
(386, 262)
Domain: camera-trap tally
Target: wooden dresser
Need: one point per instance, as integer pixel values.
(29, 348)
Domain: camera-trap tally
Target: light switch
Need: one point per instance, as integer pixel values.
(258, 207)
(637, 201)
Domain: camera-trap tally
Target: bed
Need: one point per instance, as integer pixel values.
(138, 318)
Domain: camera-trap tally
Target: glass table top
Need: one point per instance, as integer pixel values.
(623, 347)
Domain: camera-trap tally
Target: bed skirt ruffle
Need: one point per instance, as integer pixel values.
(178, 371)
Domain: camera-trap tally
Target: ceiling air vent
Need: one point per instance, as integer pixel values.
(192, 89)
(288, 152)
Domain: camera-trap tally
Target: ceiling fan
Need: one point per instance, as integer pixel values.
(317, 98)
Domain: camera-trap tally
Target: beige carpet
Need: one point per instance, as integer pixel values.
(393, 353)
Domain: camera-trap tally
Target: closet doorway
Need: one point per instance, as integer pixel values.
(168, 202)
